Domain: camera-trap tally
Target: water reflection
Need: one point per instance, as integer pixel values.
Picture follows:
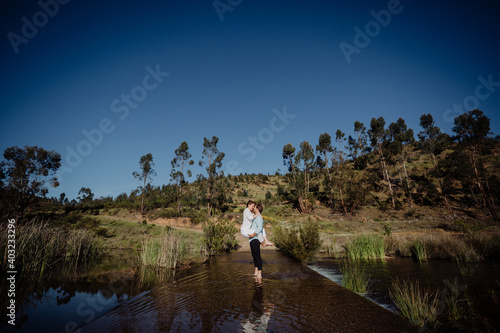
(259, 317)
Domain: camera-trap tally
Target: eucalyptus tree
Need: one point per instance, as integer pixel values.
(378, 136)
(324, 149)
(212, 160)
(433, 142)
(305, 157)
(399, 136)
(85, 195)
(23, 175)
(181, 160)
(339, 162)
(295, 181)
(145, 175)
(358, 146)
(472, 135)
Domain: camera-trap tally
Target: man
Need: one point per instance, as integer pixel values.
(248, 218)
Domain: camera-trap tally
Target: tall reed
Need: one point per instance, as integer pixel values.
(166, 252)
(417, 305)
(419, 252)
(366, 247)
(40, 247)
(355, 277)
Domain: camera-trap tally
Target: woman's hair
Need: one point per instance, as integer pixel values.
(259, 207)
(250, 202)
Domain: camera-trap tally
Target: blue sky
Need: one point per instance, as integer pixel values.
(256, 74)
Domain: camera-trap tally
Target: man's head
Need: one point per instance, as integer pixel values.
(260, 207)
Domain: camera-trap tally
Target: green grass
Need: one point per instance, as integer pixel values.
(366, 247)
(127, 234)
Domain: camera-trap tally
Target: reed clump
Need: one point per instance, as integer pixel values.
(164, 252)
(355, 277)
(366, 247)
(41, 248)
(418, 250)
(419, 306)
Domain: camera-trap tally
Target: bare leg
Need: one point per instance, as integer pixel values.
(267, 242)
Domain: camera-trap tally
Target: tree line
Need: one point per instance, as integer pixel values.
(380, 164)
(344, 172)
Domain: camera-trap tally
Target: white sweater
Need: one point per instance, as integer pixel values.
(247, 223)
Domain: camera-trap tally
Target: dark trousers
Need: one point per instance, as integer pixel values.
(255, 247)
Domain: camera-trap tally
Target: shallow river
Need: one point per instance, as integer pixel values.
(220, 296)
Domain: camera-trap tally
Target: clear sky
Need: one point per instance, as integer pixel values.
(104, 83)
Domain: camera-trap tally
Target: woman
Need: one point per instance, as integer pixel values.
(257, 226)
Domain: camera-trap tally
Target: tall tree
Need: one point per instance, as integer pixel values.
(181, 160)
(325, 149)
(23, 175)
(297, 183)
(145, 175)
(340, 163)
(472, 130)
(85, 195)
(212, 159)
(433, 142)
(378, 135)
(305, 157)
(399, 136)
(358, 147)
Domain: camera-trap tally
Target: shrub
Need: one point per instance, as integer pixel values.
(219, 236)
(301, 244)
(387, 229)
(196, 216)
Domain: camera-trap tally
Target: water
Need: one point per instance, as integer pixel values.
(223, 296)
(220, 296)
(432, 274)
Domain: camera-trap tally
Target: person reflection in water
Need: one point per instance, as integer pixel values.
(259, 316)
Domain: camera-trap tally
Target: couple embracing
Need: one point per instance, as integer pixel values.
(253, 228)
